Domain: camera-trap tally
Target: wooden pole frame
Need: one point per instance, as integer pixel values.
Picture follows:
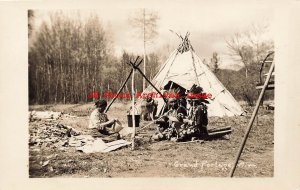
(135, 67)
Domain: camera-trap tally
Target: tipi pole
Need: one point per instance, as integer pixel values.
(123, 85)
(151, 84)
(252, 119)
(133, 109)
(196, 75)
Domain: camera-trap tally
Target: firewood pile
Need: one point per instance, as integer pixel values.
(51, 135)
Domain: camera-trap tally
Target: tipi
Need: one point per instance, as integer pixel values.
(185, 68)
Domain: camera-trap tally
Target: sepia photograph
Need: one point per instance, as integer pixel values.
(172, 91)
(139, 94)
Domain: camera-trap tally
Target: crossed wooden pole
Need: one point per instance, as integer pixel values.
(134, 67)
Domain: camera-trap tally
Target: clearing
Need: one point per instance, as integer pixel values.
(212, 158)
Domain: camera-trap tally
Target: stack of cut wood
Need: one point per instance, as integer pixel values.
(49, 135)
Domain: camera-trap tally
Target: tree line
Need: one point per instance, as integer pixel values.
(71, 57)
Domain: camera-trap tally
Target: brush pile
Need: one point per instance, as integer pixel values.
(51, 135)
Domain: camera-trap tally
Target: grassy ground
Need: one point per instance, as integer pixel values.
(161, 159)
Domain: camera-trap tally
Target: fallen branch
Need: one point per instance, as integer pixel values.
(201, 141)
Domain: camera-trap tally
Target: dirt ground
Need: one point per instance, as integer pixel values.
(213, 158)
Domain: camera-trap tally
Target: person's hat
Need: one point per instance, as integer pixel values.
(172, 100)
(100, 103)
(193, 95)
(196, 89)
(190, 96)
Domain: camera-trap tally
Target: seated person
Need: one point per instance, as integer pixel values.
(197, 112)
(171, 121)
(99, 124)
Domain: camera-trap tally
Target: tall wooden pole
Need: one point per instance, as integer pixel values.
(144, 31)
(133, 109)
(252, 119)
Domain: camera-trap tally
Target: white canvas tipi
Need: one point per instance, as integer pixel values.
(185, 68)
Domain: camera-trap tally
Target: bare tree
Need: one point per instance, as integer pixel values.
(146, 23)
(249, 47)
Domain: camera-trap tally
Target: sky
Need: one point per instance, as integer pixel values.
(209, 24)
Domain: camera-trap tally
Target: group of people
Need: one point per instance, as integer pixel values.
(183, 118)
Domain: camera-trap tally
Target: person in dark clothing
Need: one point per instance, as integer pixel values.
(172, 119)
